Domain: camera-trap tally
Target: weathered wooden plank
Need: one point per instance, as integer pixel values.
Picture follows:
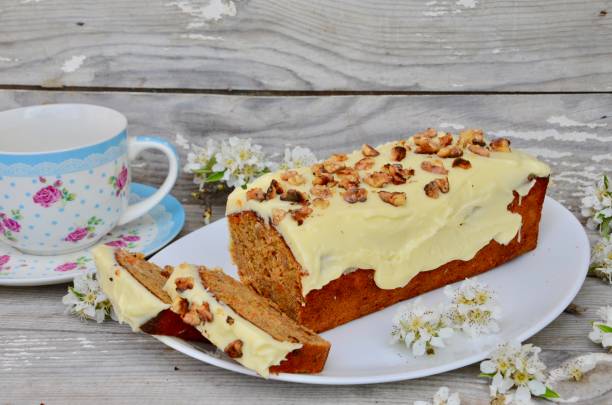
(440, 45)
(571, 132)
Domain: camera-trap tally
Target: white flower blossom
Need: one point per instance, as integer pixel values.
(601, 260)
(473, 308)
(297, 157)
(513, 365)
(422, 330)
(442, 397)
(87, 300)
(240, 161)
(574, 369)
(597, 205)
(182, 142)
(602, 330)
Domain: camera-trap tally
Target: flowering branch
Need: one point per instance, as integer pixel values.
(86, 299)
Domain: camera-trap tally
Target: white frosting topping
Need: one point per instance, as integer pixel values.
(400, 241)
(260, 351)
(132, 302)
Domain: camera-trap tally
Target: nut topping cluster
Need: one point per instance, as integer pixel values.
(337, 174)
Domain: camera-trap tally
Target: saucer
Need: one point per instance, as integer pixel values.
(146, 234)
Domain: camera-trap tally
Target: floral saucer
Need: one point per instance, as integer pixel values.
(146, 234)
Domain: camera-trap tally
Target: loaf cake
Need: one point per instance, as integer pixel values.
(133, 287)
(356, 233)
(246, 326)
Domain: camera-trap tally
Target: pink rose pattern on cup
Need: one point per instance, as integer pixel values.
(120, 181)
(125, 241)
(80, 263)
(4, 259)
(9, 224)
(49, 195)
(83, 232)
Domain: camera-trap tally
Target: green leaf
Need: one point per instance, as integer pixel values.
(486, 375)
(71, 197)
(550, 394)
(214, 177)
(605, 328)
(606, 182)
(604, 228)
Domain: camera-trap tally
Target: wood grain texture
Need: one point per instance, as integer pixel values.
(440, 45)
(53, 358)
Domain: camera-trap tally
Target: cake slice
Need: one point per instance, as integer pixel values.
(247, 327)
(133, 287)
(359, 232)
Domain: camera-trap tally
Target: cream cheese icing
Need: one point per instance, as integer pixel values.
(399, 242)
(132, 302)
(260, 351)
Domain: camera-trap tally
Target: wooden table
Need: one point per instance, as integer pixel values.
(319, 73)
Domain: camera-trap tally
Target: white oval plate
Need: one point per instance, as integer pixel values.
(533, 290)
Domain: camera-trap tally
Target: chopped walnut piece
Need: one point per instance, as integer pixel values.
(331, 166)
(443, 184)
(394, 198)
(462, 163)
(428, 133)
(256, 194)
(278, 215)
(183, 283)
(294, 196)
(378, 179)
(500, 145)
(445, 139)
(434, 166)
(324, 179)
(450, 152)
(364, 164)
(167, 271)
(204, 312)
(300, 215)
(274, 189)
(435, 187)
(287, 174)
(471, 137)
(398, 153)
(428, 148)
(349, 174)
(355, 194)
(338, 157)
(180, 306)
(234, 349)
(321, 191)
(229, 320)
(191, 318)
(347, 183)
(320, 203)
(479, 150)
(318, 169)
(399, 175)
(369, 151)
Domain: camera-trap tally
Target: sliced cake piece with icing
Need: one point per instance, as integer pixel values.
(247, 327)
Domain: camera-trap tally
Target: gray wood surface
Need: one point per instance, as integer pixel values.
(438, 45)
(46, 356)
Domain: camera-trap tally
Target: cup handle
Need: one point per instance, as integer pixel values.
(135, 146)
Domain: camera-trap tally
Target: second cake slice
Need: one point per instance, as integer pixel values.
(247, 327)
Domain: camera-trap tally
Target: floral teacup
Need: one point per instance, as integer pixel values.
(64, 176)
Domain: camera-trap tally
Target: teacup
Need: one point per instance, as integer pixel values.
(65, 177)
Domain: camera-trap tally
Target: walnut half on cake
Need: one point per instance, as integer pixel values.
(359, 232)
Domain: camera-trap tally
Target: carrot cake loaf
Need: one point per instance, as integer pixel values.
(133, 287)
(359, 232)
(246, 326)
